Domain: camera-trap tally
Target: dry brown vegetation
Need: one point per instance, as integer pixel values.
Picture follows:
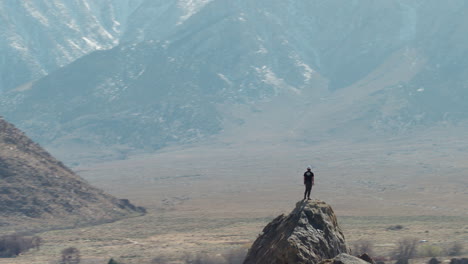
(406, 249)
(13, 245)
(363, 247)
(38, 192)
(70, 255)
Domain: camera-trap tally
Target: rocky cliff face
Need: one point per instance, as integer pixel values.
(308, 235)
(39, 191)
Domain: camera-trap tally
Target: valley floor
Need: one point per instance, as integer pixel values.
(218, 199)
(174, 234)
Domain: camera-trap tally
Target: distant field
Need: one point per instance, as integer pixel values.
(394, 178)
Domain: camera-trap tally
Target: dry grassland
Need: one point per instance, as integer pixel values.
(219, 198)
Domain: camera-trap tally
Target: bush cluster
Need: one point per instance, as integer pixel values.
(70, 255)
(13, 245)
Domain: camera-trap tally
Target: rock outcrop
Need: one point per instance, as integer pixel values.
(308, 235)
(39, 192)
(459, 261)
(366, 258)
(344, 258)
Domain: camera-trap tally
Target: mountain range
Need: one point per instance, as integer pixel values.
(38, 37)
(178, 72)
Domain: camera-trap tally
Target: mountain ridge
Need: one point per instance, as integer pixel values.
(41, 36)
(377, 70)
(37, 191)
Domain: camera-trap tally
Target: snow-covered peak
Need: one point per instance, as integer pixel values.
(42, 35)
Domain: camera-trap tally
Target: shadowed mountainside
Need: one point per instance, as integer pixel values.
(37, 188)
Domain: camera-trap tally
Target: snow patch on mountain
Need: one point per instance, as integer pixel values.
(306, 69)
(279, 84)
(93, 44)
(34, 12)
(225, 79)
(190, 8)
(40, 36)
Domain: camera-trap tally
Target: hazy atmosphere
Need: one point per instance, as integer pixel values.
(176, 131)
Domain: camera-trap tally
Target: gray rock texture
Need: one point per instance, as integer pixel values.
(309, 234)
(344, 259)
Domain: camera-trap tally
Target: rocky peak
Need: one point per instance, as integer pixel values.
(309, 234)
(38, 37)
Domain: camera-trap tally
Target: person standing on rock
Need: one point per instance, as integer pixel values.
(308, 182)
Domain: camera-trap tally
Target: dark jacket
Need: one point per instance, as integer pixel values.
(308, 176)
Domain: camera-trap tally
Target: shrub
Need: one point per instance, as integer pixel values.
(70, 255)
(430, 251)
(236, 256)
(363, 246)
(405, 250)
(112, 261)
(456, 249)
(159, 260)
(36, 242)
(395, 227)
(13, 245)
(433, 261)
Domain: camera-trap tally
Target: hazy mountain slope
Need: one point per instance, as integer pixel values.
(35, 188)
(189, 71)
(40, 36)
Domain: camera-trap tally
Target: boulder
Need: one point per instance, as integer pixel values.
(366, 258)
(344, 258)
(308, 235)
(459, 261)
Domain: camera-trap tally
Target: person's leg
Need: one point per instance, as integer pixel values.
(305, 192)
(309, 191)
(308, 188)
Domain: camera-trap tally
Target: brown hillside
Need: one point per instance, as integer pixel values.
(39, 191)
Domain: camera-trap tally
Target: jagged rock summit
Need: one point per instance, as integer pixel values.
(308, 235)
(39, 192)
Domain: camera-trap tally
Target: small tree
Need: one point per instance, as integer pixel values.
(363, 246)
(36, 242)
(405, 250)
(430, 251)
(159, 260)
(236, 256)
(456, 249)
(112, 261)
(70, 255)
(13, 245)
